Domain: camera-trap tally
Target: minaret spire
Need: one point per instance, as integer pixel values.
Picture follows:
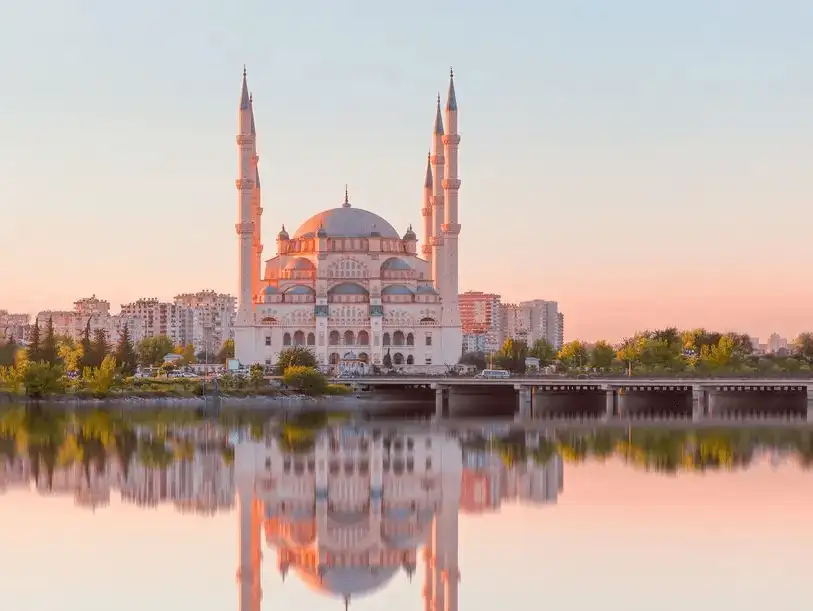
(426, 211)
(247, 219)
(452, 331)
(438, 161)
(346, 203)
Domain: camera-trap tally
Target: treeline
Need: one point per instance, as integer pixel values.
(45, 346)
(670, 350)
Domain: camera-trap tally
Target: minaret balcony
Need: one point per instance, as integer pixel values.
(453, 139)
(244, 184)
(451, 184)
(451, 228)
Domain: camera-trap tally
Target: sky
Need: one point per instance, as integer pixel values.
(644, 164)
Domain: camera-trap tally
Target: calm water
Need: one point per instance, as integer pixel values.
(131, 510)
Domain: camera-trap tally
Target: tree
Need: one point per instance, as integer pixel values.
(295, 356)
(41, 379)
(87, 348)
(226, 351)
(100, 380)
(69, 353)
(803, 345)
(511, 356)
(305, 379)
(126, 356)
(49, 352)
(543, 350)
(8, 352)
(602, 355)
(256, 375)
(475, 359)
(719, 356)
(387, 360)
(188, 354)
(34, 352)
(99, 348)
(574, 354)
(151, 351)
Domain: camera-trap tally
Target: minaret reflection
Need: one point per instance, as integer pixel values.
(350, 509)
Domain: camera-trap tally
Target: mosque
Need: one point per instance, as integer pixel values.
(346, 284)
(350, 514)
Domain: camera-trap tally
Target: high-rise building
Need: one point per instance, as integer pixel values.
(86, 311)
(154, 318)
(530, 321)
(212, 318)
(480, 320)
(13, 325)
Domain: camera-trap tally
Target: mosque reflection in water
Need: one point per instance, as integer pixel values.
(344, 507)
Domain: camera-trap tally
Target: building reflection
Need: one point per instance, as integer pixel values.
(353, 510)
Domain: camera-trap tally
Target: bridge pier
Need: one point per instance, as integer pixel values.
(524, 401)
(699, 396)
(609, 403)
(810, 402)
(441, 393)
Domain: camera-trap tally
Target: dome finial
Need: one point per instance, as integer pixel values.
(346, 203)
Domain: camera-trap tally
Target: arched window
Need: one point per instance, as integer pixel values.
(397, 359)
(410, 339)
(334, 338)
(349, 338)
(299, 338)
(334, 358)
(364, 338)
(398, 338)
(410, 360)
(286, 339)
(311, 339)
(385, 341)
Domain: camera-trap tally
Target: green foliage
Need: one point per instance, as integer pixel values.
(34, 352)
(86, 346)
(574, 354)
(256, 375)
(543, 350)
(512, 356)
(11, 378)
(386, 362)
(296, 356)
(101, 380)
(475, 359)
(48, 351)
(803, 345)
(69, 352)
(337, 389)
(125, 354)
(305, 379)
(602, 355)
(152, 350)
(41, 379)
(8, 352)
(226, 351)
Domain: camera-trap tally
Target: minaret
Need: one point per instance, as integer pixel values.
(256, 205)
(437, 203)
(452, 331)
(249, 571)
(426, 211)
(246, 176)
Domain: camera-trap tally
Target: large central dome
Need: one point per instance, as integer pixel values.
(346, 222)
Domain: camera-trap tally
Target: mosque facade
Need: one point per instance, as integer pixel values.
(346, 284)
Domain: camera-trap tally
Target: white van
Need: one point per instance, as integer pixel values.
(494, 374)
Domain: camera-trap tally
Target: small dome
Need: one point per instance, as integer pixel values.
(396, 289)
(270, 290)
(348, 288)
(426, 289)
(410, 235)
(300, 289)
(348, 580)
(395, 264)
(321, 233)
(283, 235)
(300, 264)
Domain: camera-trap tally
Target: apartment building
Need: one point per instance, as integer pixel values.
(212, 318)
(149, 317)
(72, 323)
(13, 325)
(480, 319)
(532, 320)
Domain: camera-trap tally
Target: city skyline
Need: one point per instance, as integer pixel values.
(637, 190)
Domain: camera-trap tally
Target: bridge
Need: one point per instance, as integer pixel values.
(693, 399)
